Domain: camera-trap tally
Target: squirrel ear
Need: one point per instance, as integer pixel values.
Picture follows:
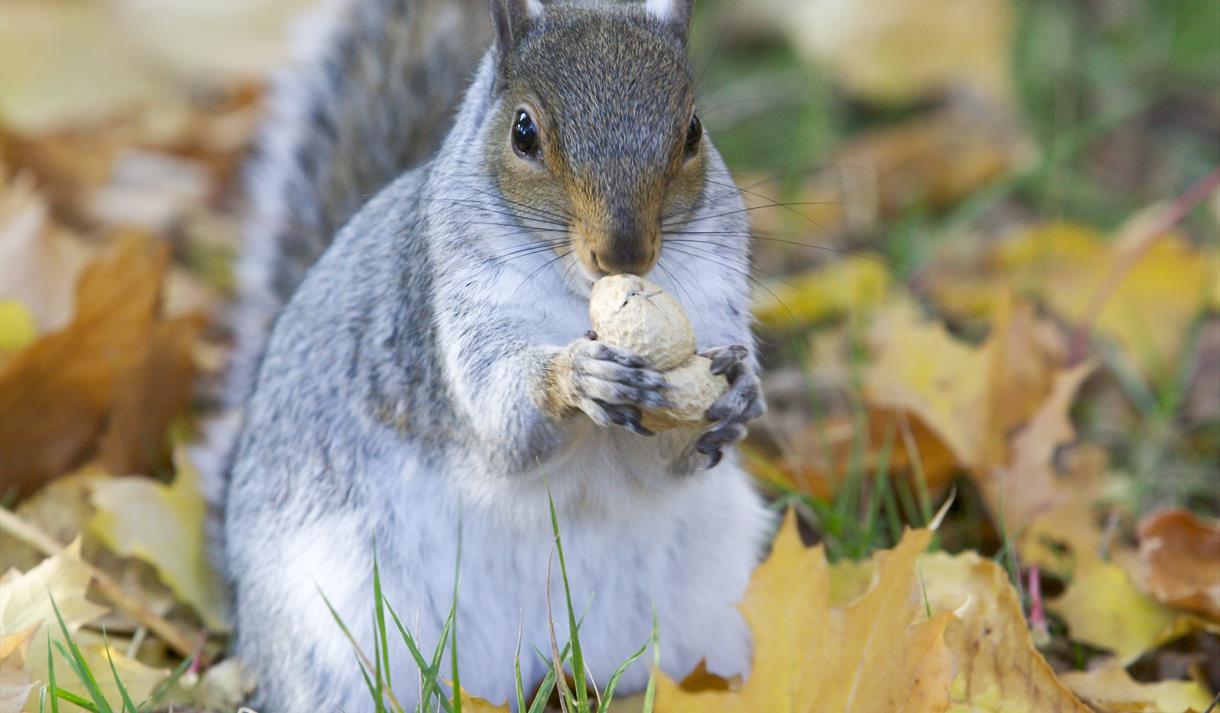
(513, 19)
(674, 12)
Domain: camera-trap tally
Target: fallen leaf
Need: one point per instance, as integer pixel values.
(149, 396)
(72, 64)
(164, 526)
(1065, 263)
(927, 163)
(854, 285)
(1103, 609)
(478, 705)
(39, 259)
(889, 51)
(16, 677)
(999, 669)
(26, 600)
(1179, 561)
(1110, 689)
(58, 396)
(17, 327)
(972, 397)
(867, 656)
(1029, 485)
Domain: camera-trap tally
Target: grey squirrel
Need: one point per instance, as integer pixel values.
(430, 366)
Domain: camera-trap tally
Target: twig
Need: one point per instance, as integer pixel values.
(1148, 231)
(183, 642)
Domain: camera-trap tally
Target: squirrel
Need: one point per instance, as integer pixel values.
(434, 197)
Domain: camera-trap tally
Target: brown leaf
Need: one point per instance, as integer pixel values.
(149, 397)
(1179, 560)
(58, 396)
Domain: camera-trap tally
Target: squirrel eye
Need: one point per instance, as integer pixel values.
(694, 134)
(525, 136)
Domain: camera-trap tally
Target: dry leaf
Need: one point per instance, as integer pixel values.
(1029, 485)
(998, 669)
(1065, 264)
(16, 677)
(899, 51)
(1179, 561)
(39, 260)
(164, 526)
(866, 657)
(73, 64)
(58, 396)
(930, 162)
(854, 285)
(1103, 609)
(1110, 689)
(478, 705)
(17, 327)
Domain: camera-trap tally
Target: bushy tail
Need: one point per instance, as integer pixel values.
(373, 95)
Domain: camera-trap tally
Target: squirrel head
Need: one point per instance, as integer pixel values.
(596, 138)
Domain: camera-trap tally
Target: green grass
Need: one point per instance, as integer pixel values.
(95, 702)
(436, 696)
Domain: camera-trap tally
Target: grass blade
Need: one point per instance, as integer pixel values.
(51, 677)
(578, 658)
(129, 706)
(77, 661)
(429, 671)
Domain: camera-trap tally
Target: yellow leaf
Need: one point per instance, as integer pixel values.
(164, 526)
(890, 51)
(854, 285)
(1065, 264)
(25, 604)
(1111, 690)
(999, 670)
(26, 600)
(1028, 485)
(1102, 608)
(17, 328)
(920, 368)
(808, 656)
(16, 677)
(478, 705)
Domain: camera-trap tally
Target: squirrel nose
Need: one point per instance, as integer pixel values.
(631, 254)
(627, 244)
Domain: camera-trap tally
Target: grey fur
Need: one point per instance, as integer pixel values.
(431, 369)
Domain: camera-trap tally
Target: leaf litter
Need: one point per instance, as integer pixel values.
(987, 359)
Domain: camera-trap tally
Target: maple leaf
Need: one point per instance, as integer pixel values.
(16, 677)
(1179, 561)
(1103, 608)
(1148, 313)
(854, 285)
(115, 374)
(26, 606)
(1110, 689)
(39, 260)
(867, 656)
(164, 526)
(998, 667)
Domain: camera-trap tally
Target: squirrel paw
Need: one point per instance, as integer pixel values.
(609, 384)
(742, 403)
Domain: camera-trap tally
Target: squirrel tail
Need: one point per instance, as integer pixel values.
(373, 95)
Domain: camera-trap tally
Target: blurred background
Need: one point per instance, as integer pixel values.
(987, 261)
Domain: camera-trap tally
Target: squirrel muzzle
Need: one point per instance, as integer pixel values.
(620, 233)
